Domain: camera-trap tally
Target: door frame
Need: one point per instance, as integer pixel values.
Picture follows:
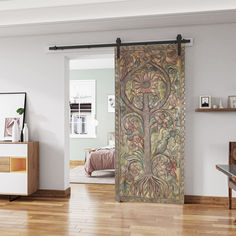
(75, 54)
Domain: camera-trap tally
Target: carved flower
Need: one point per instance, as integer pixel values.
(171, 167)
(134, 170)
(162, 121)
(171, 56)
(127, 62)
(136, 142)
(173, 101)
(146, 83)
(132, 126)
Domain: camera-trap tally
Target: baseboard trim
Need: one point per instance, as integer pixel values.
(188, 199)
(210, 200)
(52, 193)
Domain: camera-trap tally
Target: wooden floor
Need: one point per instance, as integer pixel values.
(74, 164)
(92, 210)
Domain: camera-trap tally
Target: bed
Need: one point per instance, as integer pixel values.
(101, 159)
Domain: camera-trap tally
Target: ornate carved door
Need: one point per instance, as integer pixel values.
(150, 115)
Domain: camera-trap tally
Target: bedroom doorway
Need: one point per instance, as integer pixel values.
(92, 119)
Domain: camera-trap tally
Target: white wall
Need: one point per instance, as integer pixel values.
(24, 66)
(210, 69)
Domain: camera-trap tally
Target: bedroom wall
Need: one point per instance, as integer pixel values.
(210, 69)
(105, 85)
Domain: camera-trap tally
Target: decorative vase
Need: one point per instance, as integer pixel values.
(221, 103)
(234, 104)
(15, 132)
(25, 133)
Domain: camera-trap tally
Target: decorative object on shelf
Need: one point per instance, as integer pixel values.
(8, 128)
(21, 111)
(26, 133)
(12, 107)
(15, 131)
(111, 103)
(215, 106)
(232, 101)
(221, 103)
(205, 102)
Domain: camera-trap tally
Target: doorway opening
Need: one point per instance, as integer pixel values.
(92, 119)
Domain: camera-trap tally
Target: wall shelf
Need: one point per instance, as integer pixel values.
(215, 109)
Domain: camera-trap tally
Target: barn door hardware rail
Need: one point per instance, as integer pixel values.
(179, 40)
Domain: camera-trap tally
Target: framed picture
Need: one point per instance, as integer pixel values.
(12, 108)
(9, 122)
(205, 102)
(232, 101)
(111, 103)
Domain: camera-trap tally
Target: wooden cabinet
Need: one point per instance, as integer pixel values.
(19, 168)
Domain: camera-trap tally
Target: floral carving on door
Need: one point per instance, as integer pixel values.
(150, 114)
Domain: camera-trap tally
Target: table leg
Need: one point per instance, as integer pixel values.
(230, 198)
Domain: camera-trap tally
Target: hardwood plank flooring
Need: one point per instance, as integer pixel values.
(74, 164)
(92, 210)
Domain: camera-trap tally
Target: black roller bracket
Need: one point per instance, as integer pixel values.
(118, 43)
(54, 48)
(179, 41)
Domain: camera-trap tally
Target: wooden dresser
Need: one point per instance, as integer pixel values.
(19, 168)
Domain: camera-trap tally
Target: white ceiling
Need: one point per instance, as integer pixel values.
(153, 6)
(27, 4)
(15, 12)
(18, 17)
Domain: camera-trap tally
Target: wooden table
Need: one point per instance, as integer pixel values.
(230, 171)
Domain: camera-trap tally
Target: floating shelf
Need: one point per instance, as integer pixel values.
(214, 109)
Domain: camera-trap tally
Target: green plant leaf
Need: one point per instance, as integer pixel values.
(20, 111)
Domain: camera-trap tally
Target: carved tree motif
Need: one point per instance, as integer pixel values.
(150, 103)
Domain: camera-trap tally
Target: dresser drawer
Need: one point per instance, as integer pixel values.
(13, 150)
(13, 184)
(4, 168)
(4, 160)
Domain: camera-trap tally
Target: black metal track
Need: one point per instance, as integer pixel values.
(179, 40)
(107, 45)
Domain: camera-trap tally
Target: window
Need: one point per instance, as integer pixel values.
(82, 109)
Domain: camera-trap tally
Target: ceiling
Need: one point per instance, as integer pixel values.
(57, 16)
(30, 4)
(131, 6)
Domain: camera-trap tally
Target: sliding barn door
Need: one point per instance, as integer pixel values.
(150, 114)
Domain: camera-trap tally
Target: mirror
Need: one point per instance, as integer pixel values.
(12, 107)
